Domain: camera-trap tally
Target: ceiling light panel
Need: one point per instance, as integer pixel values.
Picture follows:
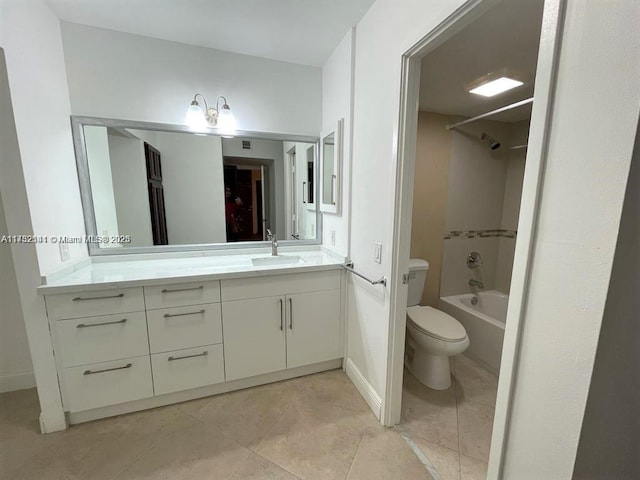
(496, 86)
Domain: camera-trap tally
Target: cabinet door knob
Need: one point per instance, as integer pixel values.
(281, 315)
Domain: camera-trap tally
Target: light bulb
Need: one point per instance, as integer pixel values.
(226, 122)
(195, 118)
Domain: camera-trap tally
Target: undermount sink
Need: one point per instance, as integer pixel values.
(277, 260)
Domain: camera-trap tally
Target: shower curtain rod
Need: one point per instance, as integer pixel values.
(492, 112)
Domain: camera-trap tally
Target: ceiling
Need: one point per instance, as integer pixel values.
(297, 31)
(507, 36)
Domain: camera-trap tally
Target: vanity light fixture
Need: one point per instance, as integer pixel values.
(221, 117)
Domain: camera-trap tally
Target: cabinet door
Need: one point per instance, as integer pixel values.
(313, 327)
(254, 337)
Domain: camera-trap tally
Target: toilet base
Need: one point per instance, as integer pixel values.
(431, 370)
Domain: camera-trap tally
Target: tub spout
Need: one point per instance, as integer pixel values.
(475, 283)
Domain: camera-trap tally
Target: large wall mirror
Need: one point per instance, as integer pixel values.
(156, 187)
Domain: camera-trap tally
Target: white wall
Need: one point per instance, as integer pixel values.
(16, 371)
(38, 82)
(124, 76)
(99, 161)
(129, 177)
(581, 201)
(268, 150)
(609, 437)
(389, 28)
(192, 177)
(337, 83)
(25, 260)
(38, 180)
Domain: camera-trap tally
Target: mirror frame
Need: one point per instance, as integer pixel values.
(82, 163)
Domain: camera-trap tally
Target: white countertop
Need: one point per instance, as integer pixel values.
(118, 272)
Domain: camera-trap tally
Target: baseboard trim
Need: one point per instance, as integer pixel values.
(17, 381)
(192, 394)
(364, 387)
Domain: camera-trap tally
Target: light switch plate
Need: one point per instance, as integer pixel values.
(377, 252)
(333, 238)
(64, 252)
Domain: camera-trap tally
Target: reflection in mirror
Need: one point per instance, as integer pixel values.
(301, 215)
(167, 188)
(328, 176)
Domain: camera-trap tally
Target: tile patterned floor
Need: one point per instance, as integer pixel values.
(453, 427)
(314, 427)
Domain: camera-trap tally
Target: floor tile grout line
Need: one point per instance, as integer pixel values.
(259, 444)
(233, 474)
(431, 468)
(277, 465)
(138, 457)
(354, 456)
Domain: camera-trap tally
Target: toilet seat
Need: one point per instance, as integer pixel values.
(435, 323)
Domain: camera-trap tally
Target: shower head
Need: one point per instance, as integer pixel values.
(493, 143)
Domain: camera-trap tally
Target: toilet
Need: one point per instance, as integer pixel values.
(433, 336)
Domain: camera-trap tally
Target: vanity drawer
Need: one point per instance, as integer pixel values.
(184, 327)
(107, 383)
(162, 296)
(93, 303)
(274, 285)
(99, 339)
(189, 368)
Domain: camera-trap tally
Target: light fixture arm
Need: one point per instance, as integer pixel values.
(218, 103)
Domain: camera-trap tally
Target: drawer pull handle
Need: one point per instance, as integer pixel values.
(290, 314)
(203, 354)
(93, 372)
(281, 315)
(86, 325)
(165, 290)
(169, 315)
(82, 299)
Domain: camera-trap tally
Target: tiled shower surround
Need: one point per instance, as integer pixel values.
(480, 234)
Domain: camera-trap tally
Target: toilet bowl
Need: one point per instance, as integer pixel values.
(432, 336)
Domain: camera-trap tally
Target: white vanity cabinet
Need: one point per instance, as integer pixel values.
(101, 346)
(280, 322)
(120, 350)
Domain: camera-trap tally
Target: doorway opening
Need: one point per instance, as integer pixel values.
(459, 213)
(246, 192)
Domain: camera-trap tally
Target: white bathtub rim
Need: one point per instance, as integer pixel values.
(454, 301)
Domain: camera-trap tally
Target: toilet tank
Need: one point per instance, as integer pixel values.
(418, 269)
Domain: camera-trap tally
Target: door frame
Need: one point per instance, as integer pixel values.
(548, 55)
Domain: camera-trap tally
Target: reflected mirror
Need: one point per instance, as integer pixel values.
(156, 186)
(328, 169)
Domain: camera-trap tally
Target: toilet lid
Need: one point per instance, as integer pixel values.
(436, 323)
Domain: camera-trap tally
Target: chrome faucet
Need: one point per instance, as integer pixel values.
(475, 283)
(274, 243)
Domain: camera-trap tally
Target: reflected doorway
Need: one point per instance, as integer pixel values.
(245, 182)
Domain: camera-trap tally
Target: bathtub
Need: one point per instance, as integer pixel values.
(484, 323)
